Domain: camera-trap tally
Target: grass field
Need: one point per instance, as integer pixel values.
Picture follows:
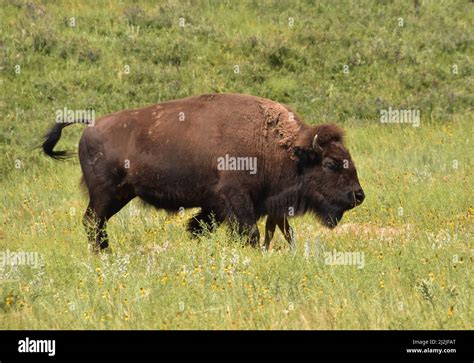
(341, 61)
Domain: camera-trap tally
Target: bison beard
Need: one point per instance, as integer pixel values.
(167, 155)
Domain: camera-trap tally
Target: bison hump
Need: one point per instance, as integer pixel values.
(281, 122)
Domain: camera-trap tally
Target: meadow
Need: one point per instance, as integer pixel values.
(331, 61)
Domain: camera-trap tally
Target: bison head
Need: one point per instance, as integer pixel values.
(330, 185)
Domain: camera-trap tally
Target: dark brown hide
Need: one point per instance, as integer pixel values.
(168, 155)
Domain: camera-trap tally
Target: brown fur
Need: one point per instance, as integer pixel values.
(171, 164)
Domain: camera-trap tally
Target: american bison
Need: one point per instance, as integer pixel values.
(236, 157)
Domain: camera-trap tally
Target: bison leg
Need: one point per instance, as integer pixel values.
(100, 209)
(269, 232)
(284, 227)
(287, 231)
(95, 229)
(246, 230)
(239, 210)
(250, 231)
(204, 220)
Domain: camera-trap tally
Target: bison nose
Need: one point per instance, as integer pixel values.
(359, 196)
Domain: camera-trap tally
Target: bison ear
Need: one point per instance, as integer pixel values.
(306, 157)
(310, 144)
(306, 149)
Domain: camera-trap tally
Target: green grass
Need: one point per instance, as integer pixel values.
(415, 228)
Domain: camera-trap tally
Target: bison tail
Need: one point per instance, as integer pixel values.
(51, 139)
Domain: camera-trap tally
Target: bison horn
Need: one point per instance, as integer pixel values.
(316, 146)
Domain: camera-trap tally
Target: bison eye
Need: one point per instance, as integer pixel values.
(333, 165)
